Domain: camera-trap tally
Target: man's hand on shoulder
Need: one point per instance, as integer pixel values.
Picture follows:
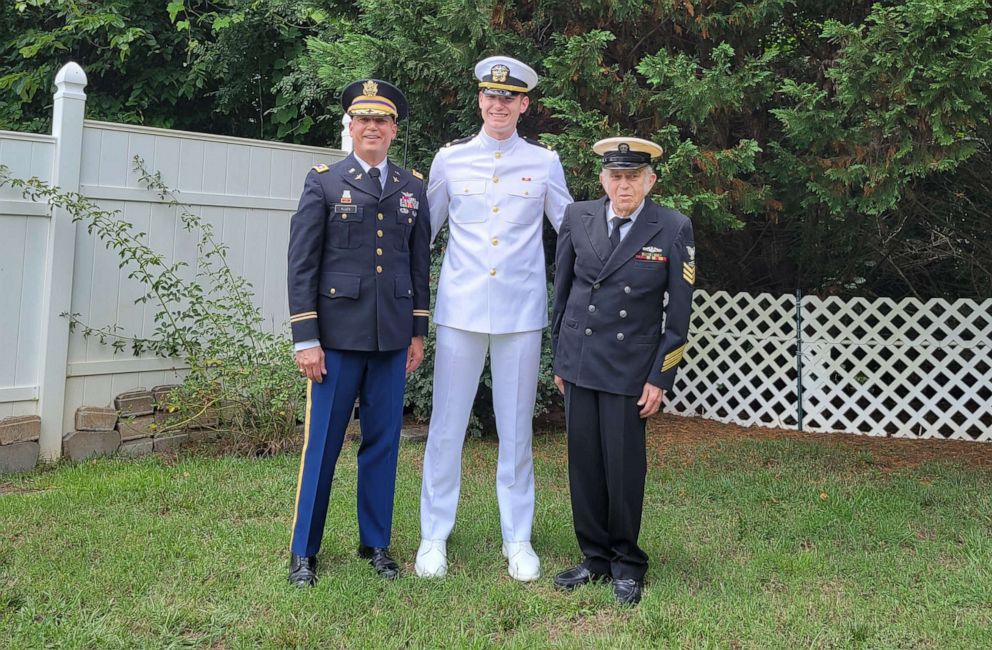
(414, 354)
(651, 399)
(311, 363)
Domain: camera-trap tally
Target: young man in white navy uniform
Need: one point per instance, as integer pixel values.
(493, 189)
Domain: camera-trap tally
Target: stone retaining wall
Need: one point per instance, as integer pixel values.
(137, 424)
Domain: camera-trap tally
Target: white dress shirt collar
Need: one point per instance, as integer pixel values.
(490, 143)
(383, 168)
(610, 214)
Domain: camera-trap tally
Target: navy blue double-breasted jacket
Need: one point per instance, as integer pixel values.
(359, 260)
(609, 305)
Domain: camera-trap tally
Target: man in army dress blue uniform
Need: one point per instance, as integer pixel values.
(613, 358)
(359, 260)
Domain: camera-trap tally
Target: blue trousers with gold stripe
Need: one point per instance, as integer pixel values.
(378, 377)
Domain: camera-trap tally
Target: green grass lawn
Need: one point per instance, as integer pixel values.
(753, 543)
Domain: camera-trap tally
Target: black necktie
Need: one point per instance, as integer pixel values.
(615, 235)
(374, 174)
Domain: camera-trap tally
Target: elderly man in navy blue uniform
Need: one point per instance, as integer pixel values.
(617, 346)
(359, 259)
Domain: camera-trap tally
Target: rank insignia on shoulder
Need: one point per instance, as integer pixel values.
(320, 168)
(416, 174)
(459, 141)
(538, 143)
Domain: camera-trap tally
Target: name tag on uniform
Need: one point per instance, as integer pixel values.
(345, 208)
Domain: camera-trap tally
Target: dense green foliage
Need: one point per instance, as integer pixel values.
(834, 147)
(837, 148)
(800, 543)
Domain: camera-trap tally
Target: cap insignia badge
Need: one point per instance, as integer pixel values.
(623, 148)
(500, 72)
(370, 88)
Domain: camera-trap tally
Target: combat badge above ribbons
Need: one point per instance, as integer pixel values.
(408, 201)
(651, 254)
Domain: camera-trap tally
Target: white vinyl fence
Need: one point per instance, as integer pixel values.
(49, 266)
(906, 368)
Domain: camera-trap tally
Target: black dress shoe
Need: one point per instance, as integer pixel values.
(303, 570)
(627, 591)
(578, 575)
(380, 560)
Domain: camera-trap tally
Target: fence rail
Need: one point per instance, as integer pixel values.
(903, 368)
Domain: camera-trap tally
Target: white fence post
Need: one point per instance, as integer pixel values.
(346, 143)
(67, 128)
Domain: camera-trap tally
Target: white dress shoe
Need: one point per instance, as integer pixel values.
(432, 558)
(522, 562)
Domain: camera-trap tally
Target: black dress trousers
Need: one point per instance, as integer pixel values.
(607, 465)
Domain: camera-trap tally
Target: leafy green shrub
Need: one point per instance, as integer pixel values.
(237, 370)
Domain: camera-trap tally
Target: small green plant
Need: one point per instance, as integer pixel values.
(241, 377)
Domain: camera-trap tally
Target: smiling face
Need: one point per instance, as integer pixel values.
(500, 114)
(371, 136)
(627, 187)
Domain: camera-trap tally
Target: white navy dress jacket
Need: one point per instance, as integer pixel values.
(494, 195)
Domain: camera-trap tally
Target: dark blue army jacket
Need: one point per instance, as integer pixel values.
(610, 327)
(359, 260)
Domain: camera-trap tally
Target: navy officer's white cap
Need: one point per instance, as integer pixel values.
(626, 153)
(504, 76)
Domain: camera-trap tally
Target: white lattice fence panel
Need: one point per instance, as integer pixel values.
(740, 363)
(904, 368)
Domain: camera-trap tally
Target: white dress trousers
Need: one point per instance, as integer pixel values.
(458, 362)
(491, 297)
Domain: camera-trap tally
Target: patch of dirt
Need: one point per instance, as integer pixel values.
(586, 624)
(674, 435)
(7, 488)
